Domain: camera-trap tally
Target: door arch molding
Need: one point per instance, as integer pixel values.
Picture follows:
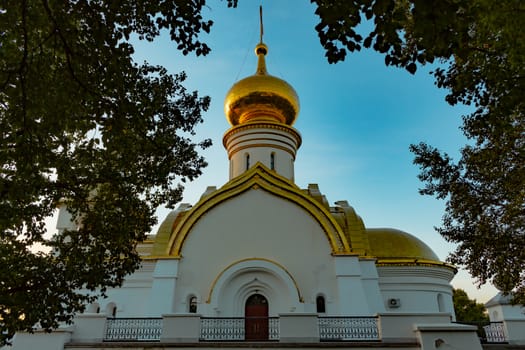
(237, 282)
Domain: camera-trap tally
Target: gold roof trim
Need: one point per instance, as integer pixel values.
(272, 182)
(414, 262)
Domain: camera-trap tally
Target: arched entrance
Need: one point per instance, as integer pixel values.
(256, 318)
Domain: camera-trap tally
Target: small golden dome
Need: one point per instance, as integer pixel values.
(387, 243)
(261, 97)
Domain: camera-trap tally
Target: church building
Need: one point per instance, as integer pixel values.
(262, 261)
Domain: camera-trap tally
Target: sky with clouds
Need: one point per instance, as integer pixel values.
(357, 117)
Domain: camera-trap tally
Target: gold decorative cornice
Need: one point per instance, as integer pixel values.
(414, 262)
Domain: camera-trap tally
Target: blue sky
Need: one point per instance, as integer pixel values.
(357, 117)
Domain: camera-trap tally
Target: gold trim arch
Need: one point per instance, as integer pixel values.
(260, 177)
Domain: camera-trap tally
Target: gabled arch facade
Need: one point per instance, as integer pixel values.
(260, 177)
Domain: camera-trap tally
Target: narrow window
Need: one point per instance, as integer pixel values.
(192, 305)
(247, 161)
(272, 161)
(441, 303)
(111, 309)
(320, 304)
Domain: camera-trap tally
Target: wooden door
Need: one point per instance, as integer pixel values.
(256, 318)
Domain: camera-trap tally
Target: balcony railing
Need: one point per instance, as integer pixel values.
(234, 328)
(495, 333)
(133, 329)
(489, 332)
(348, 328)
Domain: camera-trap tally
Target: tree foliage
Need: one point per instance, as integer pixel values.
(466, 309)
(480, 46)
(84, 125)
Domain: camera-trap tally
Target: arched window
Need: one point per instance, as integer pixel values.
(495, 316)
(320, 304)
(272, 161)
(441, 303)
(192, 304)
(247, 161)
(111, 310)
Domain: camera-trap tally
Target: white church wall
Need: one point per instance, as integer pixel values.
(415, 289)
(447, 336)
(132, 299)
(515, 331)
(513, 312)
(129, 301)
(41, 340)
(262, 226)
(396, 327)
(162, 297)
(370, 280)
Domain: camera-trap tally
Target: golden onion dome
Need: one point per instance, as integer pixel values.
(391, 244)
(261, 97)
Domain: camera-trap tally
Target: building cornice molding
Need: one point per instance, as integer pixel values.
(262, 125)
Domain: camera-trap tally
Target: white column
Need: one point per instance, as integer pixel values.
(180, 328)
(298, 328)
(89, 328)
(352, 295)
(162, 297)
(370, 280)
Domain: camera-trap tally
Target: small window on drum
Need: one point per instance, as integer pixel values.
(272, 161)
(247, 161)
(320, 304)
(192, 305)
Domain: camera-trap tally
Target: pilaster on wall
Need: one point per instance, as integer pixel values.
(180, 328)
(162, 296)
(515, 331)
(299, 328)
(89, 328)
(353, 298)
(370, 282)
